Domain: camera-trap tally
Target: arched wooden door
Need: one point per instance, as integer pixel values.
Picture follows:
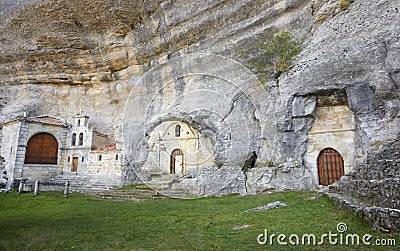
(42, 149)
(330, 166)
(177, 161)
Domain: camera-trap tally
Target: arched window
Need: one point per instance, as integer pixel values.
(330, 166)
(42, 149)
(79, 122)
(80, 138)
(73, 140)
(177, 131)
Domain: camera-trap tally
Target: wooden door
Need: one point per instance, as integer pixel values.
(74, 164)
(179, 164)
(42, 148)
(177, 161)
(330, 166)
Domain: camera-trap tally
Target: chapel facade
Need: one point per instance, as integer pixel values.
(46, 148)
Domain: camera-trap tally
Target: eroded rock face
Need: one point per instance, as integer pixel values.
(57, 57)
(357, 51)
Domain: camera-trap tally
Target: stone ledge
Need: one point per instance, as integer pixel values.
(376, 192)
(384, 219)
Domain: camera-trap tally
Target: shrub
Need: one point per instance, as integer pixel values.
(344, 4)
(271, 58)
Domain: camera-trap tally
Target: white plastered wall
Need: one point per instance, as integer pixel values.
(197, 149)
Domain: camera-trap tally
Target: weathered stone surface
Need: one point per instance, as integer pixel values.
(303, 106)
(272, 205)
(373, 188)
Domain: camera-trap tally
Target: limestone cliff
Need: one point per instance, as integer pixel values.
(57, 56)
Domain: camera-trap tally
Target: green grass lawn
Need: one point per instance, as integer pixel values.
(51, 222)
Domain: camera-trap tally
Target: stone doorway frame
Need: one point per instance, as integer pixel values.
(75, 161)
(330, 166)
(172, 167)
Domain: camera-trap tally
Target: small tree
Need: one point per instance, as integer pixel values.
(270, 59)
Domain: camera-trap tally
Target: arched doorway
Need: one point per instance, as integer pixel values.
(42, 149)
(330, 166)
(177, 162)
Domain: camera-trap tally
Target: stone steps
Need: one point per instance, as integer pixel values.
(160, 185)
(126, 195)
(162, 181)
(140, 195)
(83, 184)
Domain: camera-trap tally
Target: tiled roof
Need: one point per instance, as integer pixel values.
(110, 147)
(41, 119)
(100, 134)
(47, 120)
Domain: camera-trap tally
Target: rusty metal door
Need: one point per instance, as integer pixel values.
(330, 166)
(42, 149)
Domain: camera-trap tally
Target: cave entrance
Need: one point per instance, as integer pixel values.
(330, 166)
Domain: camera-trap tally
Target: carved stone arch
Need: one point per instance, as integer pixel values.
(177, 165)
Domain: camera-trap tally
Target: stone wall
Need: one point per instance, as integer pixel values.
(372, 189)
(37, 172)
(9, 148)
(334, 127)
(198, 150)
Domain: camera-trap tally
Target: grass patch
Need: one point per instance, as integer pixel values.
(51, 222)
(135, 187)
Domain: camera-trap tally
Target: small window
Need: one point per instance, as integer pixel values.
(80, 138)
(73, 140)
(69, 159)
(177, 131)
(116, 157)
(99, 157)
(79, 122)
(83, 159)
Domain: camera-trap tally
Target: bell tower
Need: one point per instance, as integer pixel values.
(80, 120)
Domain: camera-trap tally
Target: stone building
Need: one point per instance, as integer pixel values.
(104, 165)
(33, 148)
(81, 139)
(177, 148)
(330, 146)
(46, 148)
